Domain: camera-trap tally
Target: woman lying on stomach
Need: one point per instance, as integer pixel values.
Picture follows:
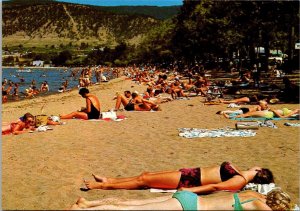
(184, 200)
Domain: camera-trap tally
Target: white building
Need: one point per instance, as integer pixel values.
(38, 63)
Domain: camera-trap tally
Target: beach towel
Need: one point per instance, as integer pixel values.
(267, 123)
(292, 124)
(213, 133)
(232, 116)
(263, 118)
(43, 128)
(117, 119)
(261, 188)
(233, 105)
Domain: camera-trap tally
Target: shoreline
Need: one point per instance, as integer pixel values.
(34, 67)
(48, 94)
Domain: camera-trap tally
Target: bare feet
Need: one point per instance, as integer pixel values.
(81, 203)
(99, 178)
(226, 115)
(93, 185)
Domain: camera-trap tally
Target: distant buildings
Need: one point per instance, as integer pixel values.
(38, 63)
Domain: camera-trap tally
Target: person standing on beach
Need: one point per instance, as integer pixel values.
(45, 87)
(92, 110)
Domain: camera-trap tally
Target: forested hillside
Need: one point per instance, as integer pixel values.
(161, 13)
(52, 22)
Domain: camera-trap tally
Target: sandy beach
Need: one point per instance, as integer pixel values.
(44, 170)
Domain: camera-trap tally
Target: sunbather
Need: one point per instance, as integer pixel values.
(262, 110)
(268, 112)
(197, 180)
(145, 105)
(92, 110)
(285, 112)
(252, 99)
(23, 125)
(184, 200)
(125, 100)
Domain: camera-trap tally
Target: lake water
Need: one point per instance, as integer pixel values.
(54, 76)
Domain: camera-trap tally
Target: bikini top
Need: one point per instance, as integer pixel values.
(238, 204)
(227, 171)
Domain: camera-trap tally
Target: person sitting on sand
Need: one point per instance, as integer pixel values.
(92, 110)
(23, 125)
(4, 96)
(197, 180)
(142, 104)
(125, 100)
(184, 200)
(176, 90)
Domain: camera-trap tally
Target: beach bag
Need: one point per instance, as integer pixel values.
(247, 125)
(109, 115)
(41, 120)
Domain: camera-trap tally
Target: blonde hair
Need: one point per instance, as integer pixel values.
(262, 102)
(278, 200)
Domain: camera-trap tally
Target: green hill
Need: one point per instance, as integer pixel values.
(47, 22)
(161, 13)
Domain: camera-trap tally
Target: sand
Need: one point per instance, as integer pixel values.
(44, 170)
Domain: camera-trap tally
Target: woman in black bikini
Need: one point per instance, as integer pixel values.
(197, 180)
(92, 110)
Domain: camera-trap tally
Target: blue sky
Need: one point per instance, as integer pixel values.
(126, 2)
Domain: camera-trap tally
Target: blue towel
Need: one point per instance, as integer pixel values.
(263, 118)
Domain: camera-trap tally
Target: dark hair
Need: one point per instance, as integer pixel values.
(134, 95)
(263, 176)
(165, 77)
(83, 91)
(127, 92)
(26, 116)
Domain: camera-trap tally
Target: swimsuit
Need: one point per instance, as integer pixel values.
(191, 177)
(286, 111)
(129, 106)
(238, 204)
(94, 113)
(245, 110)
(227, 171)
(188, 200)
(11, 128)
(269, 114)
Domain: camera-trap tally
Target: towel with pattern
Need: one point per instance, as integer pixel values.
(213, 133)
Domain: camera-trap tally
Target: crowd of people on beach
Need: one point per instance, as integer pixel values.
(162, 86)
